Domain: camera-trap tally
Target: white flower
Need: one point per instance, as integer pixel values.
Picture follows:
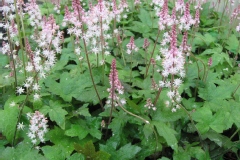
(36, 97)
(29, 79)
(20, 126)
(20, 90)
(36, 87)
(12, 104)
(174, 110)
(177, 82)
(123, 101)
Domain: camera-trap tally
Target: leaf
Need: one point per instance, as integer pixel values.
(72, 85)
(22, 151)
(139, 27)
(220, 140)
(167, 133)
(8, 122)
(220, 58)
(84, 110)
(221, 121)
(57, 137)
(77, 130)
(232, 44)
(56, 113)
(204, 117)
(90, 95)
(128, 151)
(55, 152)
(145, 17)
(93, 127)
(220, 92)
(209, 39)
(88, 150)
(147, 130)
(76, 156)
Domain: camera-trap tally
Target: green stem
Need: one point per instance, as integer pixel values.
(149, 63)
(222, 15)
(191, 119)
(235, 90)
(89, 65)
(158, 94)
(132, 114)
(91, 75)
(131, 67)
(19, 34)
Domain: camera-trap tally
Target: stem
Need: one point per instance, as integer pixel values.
(19, 34)
(89, 65)
(149, 63)
(91, 75)
(235, 90)
(132, 114)
(204, 66)
(235, 133)
(21, 110)
(131, 69)
(19, 116)
(158, 94)
(102, 48)
(12, 58)
(190, 117)
(112, 102)
(222, 15)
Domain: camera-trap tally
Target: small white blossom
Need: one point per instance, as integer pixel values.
(20, 126)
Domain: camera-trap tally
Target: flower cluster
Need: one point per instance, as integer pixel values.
(116, 88)
(131, 46)
(38, 127)
(97, 21)
(235, 16)
(173, 55)
(34, 12)
(150, 105)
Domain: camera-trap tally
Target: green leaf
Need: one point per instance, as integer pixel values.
(77, 130)
(221, 121)
(220, 140)
(167, 133)
(93, 127)
(76, 156)
(22, 151)
(145, 17)
(57, 137)
(88, 150)
(139, 27)
(232, 44)
(147, 130)
(204, 117)
(55, 152)
(8, 122)
(83, 111)
(209, 39)
(220, 92)
(56, 113)
(128, 152)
